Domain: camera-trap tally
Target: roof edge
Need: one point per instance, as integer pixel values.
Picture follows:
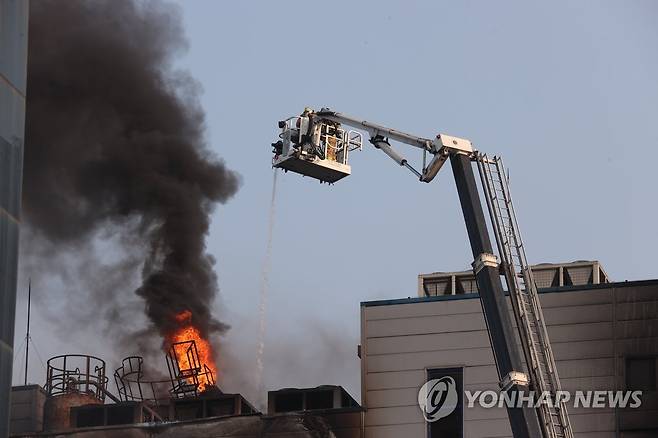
(578, 288)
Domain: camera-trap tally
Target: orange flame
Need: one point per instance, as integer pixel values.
(187, 332)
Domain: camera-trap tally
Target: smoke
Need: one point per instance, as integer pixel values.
(115, 148)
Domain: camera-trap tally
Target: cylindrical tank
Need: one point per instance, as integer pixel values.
(57, 410)
(72, 380)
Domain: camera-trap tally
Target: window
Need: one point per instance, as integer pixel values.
(641, 373)
(452, 425)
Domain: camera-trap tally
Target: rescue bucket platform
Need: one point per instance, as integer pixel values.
(315, 147)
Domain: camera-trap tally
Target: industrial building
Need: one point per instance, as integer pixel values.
(77, 400)
(325, 411)
(604, 334)
(13, 64)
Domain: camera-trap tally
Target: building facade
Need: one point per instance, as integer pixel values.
(13, 61)
(604, 336)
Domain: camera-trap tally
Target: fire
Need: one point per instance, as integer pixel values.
(188, 332)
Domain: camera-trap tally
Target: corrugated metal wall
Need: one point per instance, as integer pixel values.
(13, 60)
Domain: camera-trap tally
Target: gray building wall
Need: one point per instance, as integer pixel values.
(13, 59)
(593, 330)
(27, 403)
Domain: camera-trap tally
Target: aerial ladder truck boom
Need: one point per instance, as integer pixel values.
(317, 144)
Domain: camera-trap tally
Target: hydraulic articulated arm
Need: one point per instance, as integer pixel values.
(380, 136)
(316, 144)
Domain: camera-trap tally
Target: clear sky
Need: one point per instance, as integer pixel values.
(566, 92)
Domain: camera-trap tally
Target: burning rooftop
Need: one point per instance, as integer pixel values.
(77, 399)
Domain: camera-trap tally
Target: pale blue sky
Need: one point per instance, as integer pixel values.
(566, 92)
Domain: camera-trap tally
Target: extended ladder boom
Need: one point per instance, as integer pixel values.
(525, 300)
(315, 144)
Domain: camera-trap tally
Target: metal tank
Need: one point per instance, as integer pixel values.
(72, 380)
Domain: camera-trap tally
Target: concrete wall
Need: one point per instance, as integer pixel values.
(592, 331)
(13, 59)
(27, 403)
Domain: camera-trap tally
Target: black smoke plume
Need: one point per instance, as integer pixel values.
(115, 141)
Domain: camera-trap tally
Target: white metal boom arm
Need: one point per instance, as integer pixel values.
(375, 130)
(441, 146)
